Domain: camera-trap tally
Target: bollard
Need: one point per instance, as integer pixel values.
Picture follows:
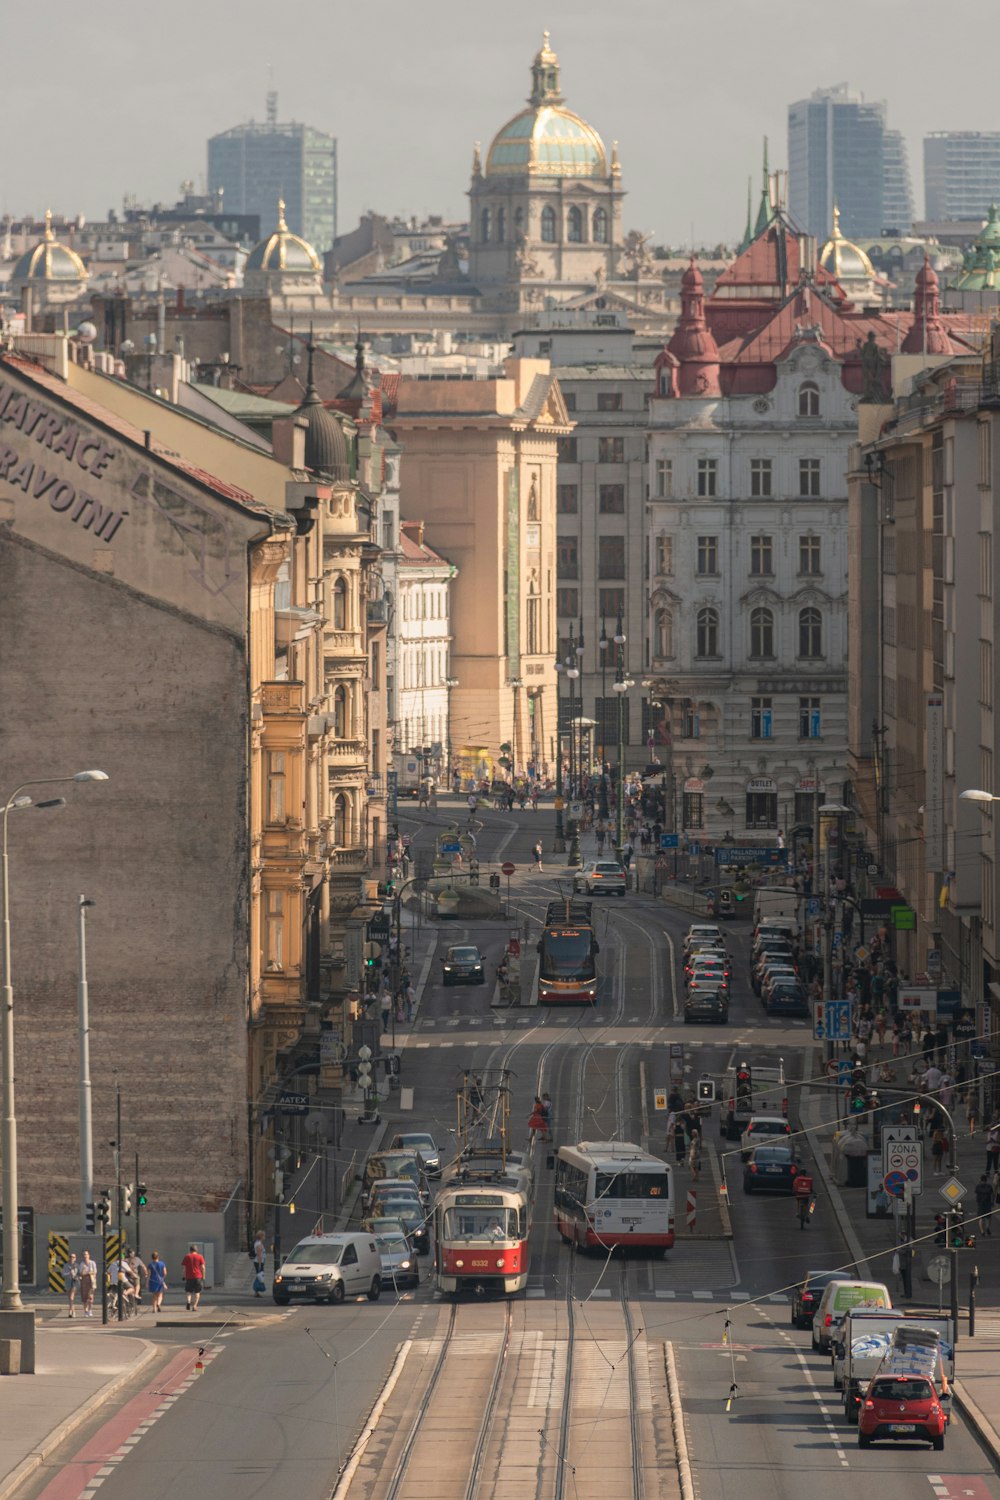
(973, 1283)
(10, 1356)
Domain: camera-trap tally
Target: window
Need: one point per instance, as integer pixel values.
(809, 478)
(611, 604)
(810, 633)
(340, 718)
(518, 221)
(708, 556)
(665, 556)
(548, 224)
(986, 675)
(283, 586)
(376, 666)
(810, 561)
(805, 804)
(761, 632)
(664, 477)
(694, 810)
(609, 401)
(566, 602)
(600, 231)
(567, 450)
(340, 604)
(501, 225)
(567, 558)
(276, 787)
(274, 937)
(611, 450)
(761, 477)
(761, 556)
(574, 225)
(808, 400)
(690, 720)
(810, 721)
(341, 821)
(485, 221)
(762, 810)
(707, 636)
(761, 718)
(534, 625)
(611, 499)
(664, 637)
(708, 476)
(611, 557)
(570, 399)
(567, 499)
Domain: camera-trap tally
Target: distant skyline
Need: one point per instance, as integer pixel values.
(120, 100)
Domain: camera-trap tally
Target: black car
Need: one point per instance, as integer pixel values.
(463, 965)
(771, 1169)
(806, 1296)
(787, 1000)
(706, 1005)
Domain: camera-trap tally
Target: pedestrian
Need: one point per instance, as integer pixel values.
(259, 1251)
(694, 1155)
(984, 1205)
(537, 854)
(88, 1281)
(680, 1139)
(627, 855)
(928, 1043)
(193, 1266)
(386, 1008)
(939, 1146)
(71, 1281)
(534, 798)
(547, 1112)
(409, 1001)
(993, 1149)
(668, 1143)
(536, 1120)
(138, 1269)
(972, 1112)
(156, 1280)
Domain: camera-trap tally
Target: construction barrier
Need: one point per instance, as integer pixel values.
(58, 1256)
(692, 1207)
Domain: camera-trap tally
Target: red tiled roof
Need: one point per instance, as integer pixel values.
(413, 551)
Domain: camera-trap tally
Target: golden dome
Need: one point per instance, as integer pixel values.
(283, 250)
(49, 260)
(843, 258)
(547, 139)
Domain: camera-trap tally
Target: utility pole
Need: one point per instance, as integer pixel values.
(138, 1205)
(86, 1116)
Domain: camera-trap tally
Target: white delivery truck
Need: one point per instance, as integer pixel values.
(747, 1090)
(921, 1345)
(867, 1338)
(777, 901)
(857, 1351)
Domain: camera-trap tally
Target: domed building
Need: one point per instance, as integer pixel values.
(283, 265)
(851, 267)
(53, 271)
(547, 205)
(981, 263)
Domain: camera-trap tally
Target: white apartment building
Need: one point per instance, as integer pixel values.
(423, 652)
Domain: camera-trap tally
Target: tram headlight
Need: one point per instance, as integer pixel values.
(459, 1265)
(499, 1262)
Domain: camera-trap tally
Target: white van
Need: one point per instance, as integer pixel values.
(330, 1267)
(838, 1299)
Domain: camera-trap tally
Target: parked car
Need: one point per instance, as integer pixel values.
(771, 1169)
(602, 877)
(463, 964)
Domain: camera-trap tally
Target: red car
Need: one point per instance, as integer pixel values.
(901, 1408)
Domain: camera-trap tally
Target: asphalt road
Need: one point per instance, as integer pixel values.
(278, 1407)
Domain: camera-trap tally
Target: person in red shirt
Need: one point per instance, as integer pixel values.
(193, 1266)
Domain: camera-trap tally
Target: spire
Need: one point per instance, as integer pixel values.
(282, 226)
(748, 231)
(616, 166)
(477, 161)
(48, 225)
(545, 75)
(765, 213)
(312, 394)
(927, 333)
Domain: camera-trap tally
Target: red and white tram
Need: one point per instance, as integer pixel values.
(482, 1224)
(611, 1193)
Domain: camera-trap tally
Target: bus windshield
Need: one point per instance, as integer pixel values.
(480, 1223)
(631, 1185)
(567, 954)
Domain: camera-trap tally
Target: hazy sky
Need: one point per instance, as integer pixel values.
(111, 98)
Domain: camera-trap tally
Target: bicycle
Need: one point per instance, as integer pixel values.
(807, 1207)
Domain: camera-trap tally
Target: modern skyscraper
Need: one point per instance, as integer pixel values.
(256, 164)
(961, 173)
(839, 151)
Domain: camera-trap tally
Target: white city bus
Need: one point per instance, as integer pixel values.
(611, 1193)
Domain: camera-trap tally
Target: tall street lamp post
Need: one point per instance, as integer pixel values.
(10, 1299)
(573, 673)
(86, 1126)
(450, 682)
(621, 686)
(515, 683)
(559, 841)
(602, 646)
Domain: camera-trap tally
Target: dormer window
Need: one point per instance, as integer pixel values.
(808, 400)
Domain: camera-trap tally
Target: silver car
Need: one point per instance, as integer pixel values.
(602, 877)
(424, 1144)
(399, 1260)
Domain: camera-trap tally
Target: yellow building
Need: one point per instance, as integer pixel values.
(479, 468)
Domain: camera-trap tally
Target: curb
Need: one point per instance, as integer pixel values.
(677, 1425)
(12, 1481)
(977, 1420)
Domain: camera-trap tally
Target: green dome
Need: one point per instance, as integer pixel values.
(981, 265)
(547, 139)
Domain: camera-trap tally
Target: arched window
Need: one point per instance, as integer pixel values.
(761, 632)
(485, 222)
(340, 604)
(574, 225)
(708, 632)
(501, 225)
(518, 221)
(341, 821)
(340, 714)
(664, 632)
(549, 224)
(808, 400)
(810, 633)
(600, 230)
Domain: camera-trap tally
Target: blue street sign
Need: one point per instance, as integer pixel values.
(814, 905)
(838, 1020)
(838, 938)
(669, 840)
(452, 848)
(694, 849)
(710, 894)
(845, 1072)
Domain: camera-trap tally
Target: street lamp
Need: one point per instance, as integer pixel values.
(559, 841)
(573, 673)
(515, 683)
(10, 1300)
(621, 686)
(602, 646)
(974, 794)
(450, 682)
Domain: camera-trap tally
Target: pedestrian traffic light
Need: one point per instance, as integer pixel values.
(140, 1193)
(126, 1198)
(859, 1097)
(743, 1081)
(706, 1090)
(970, 1242)
(104, 1206)
(957, 1237)
(90, 1218)
(917, 1109)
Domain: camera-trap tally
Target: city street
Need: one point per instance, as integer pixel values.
(279, 1405)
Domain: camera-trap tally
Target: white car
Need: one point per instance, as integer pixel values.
(602, 877)
(763, 1130)
(703, 932)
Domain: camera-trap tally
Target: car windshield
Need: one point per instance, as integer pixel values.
(480, 1223)
(567, 953)
(902, 1390)
(418, 1142)
(769, 1127)
(464, 955)
(315, 1255)
(608, 870)
(392, 1244)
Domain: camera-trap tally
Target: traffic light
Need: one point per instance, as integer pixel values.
(917, 1109)
(859, 1096)
(104, 1207)
(126, 1198)
(90, 1218)
(743, 1081)
(392, 1065)
(140, 1193)
(970, 1242)
(706, 1090)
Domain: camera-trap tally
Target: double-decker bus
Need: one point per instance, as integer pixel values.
(567, 951)
(611, 1193)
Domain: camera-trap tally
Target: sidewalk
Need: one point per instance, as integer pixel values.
(872, 1242)
(78, 1370)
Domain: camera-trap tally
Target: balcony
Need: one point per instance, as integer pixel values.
(378, 612)
(347, 752)
(352, 859)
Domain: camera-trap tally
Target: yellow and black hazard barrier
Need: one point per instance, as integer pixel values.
(58, 1256)
(114, 1245)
